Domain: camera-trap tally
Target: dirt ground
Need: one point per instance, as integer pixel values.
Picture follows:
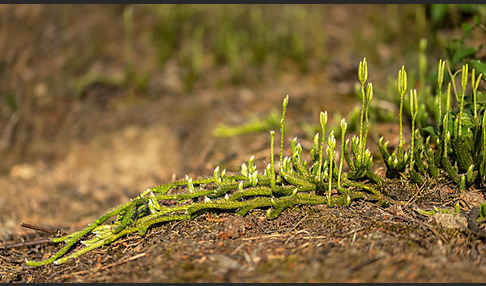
(70, 159)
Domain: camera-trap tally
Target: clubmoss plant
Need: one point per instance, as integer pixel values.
(445, 150)
(298, 182)
(361, 161)
(396, 162)
(377, 114)
(414, 111)
(454, 142)
(344, 126)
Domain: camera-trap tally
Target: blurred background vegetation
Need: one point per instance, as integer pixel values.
(65, 70)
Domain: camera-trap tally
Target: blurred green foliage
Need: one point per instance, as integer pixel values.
(466, 19)
(452, 33)
(271, 121)
(241, 41)
(10, 101)
(453, 15)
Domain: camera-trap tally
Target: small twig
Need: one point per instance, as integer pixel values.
(28, 243)
(295, 234)
(314, 237)
(38, 228)
(352, 231)
(125, 240)
(354, 238)
(265, 236)
(451, 202)
(414, 197)
(297, 224)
